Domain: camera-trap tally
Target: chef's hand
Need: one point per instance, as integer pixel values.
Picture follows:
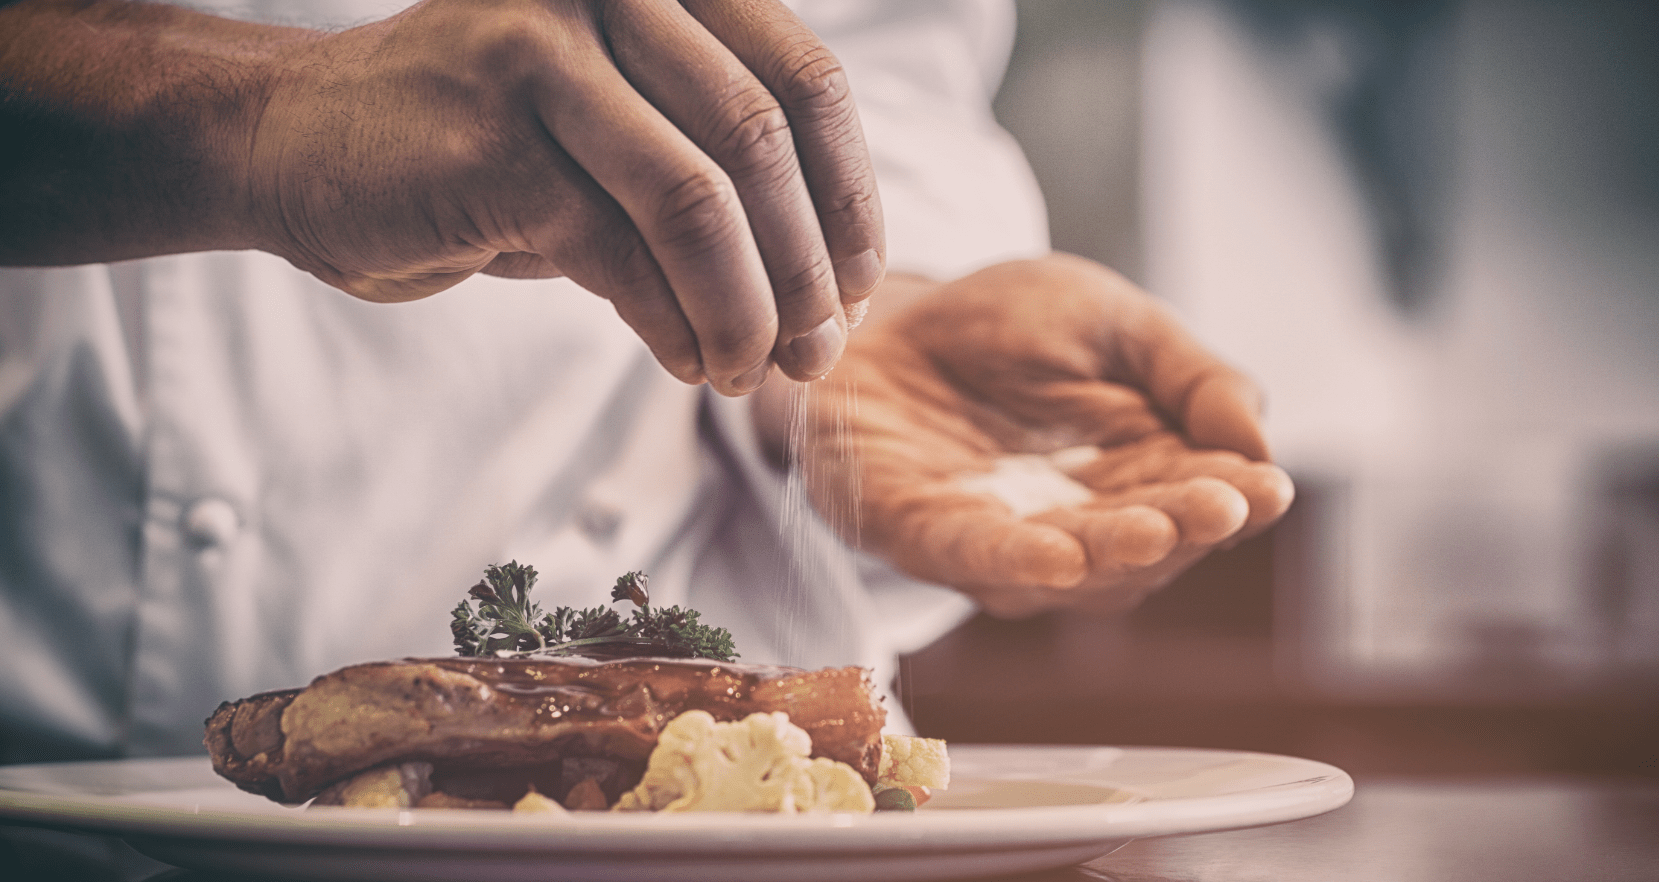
(1034, 357)
(699, 163)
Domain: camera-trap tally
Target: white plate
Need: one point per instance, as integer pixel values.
(1009, 809)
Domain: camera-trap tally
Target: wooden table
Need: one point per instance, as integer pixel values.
(1429, 830)
(1395, 830)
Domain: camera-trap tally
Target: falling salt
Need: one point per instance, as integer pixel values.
(806, 420)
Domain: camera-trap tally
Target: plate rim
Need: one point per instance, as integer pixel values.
(958, 830)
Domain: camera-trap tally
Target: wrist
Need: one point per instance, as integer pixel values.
(225, 75)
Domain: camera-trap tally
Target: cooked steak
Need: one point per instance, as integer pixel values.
(482, 716)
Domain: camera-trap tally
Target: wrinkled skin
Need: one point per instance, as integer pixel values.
(700, 163)
(633, 145)
(1032, 357)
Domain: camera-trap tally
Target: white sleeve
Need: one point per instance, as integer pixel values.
(956, 191)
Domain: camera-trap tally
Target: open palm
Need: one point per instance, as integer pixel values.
(1031, 358)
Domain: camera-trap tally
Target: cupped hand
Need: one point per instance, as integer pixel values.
(1032, 358)
(700, 164)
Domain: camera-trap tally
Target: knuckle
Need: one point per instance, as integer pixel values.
(628, 277)
(700, 213)
(813, 286)
(503, 43)
(628, 268)
(675, 350)
(755, 134)
(735, 345)
(856, 203)
(810, 79)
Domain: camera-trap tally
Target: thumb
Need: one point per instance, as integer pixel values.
(1072, 412)
(1216, 406)
(1223, 410)
(400, 288)
(522, 265)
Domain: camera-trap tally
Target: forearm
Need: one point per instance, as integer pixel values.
(125, 129)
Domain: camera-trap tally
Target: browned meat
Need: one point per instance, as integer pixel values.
(474, 715)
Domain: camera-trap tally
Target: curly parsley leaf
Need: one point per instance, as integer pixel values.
(506, 619)
(678, 628)
(507, 623)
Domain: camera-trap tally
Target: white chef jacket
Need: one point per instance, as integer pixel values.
(220, 476)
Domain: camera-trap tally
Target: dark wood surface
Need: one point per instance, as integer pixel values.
(1214, 661)
(1429, 830)
(1468, 781)
(1514, 830)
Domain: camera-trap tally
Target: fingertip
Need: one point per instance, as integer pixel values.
(1214, 511)
(1282, 487)
(1272, 495)
(813, 354)
(1041, 555)
(1137, 535)
(691, 376)
(746, 382)
(676, 357)
(1224, 413)
(858, 276)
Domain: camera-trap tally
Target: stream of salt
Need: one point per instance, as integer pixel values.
(839, 509)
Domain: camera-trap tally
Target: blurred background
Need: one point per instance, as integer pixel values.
(1430, 229)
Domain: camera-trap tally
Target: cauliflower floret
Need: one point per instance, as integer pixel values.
(399, 787)
(533, 803)
(913, 762)
(838, 787)
(758, 764)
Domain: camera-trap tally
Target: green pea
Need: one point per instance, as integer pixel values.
(895, 799)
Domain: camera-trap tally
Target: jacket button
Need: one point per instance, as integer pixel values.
(211, 522)
(598, 521)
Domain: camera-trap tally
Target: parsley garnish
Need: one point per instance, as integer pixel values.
(507, 623)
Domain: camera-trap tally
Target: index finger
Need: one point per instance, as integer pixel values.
(684, 206)
(810, 84)
(686, 73)
(966, 539)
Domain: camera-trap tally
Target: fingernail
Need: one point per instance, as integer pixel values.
(858, 274)
(751, 380)
(819, 349)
